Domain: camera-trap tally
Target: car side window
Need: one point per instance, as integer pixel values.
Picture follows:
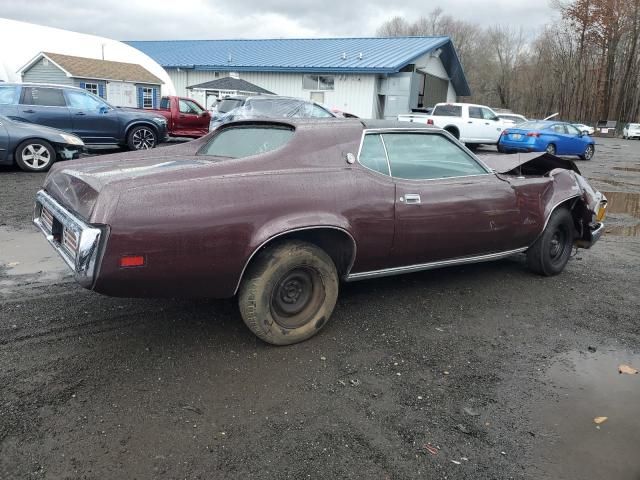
(7, 95)
(475, 112)
(372, 154)
(487, 114)
(572, 130)
(240, 142)
(46, 97)
(184, 107)
(425, 156)
(559, 129)
(83, 101)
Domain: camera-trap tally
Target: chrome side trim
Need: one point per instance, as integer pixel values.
(315, 227)
(432, 265)
(84, 264)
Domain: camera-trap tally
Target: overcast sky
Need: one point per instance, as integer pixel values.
(201, 19)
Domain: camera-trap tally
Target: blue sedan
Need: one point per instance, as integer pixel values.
(556, 138)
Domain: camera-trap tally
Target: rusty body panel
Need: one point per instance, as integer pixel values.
(198, 221)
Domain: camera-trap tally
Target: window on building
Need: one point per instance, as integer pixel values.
(91, 88)
(318, 82)
(147, 97)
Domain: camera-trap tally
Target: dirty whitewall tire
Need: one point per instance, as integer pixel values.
(288, 292)
(550, 253)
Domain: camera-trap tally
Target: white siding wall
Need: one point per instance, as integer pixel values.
(352, 93)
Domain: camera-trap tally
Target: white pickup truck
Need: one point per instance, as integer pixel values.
(471, 124)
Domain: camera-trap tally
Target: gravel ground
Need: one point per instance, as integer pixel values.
(477, 372)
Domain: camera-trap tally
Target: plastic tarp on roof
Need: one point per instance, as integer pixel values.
(28, 40)
(276, 107)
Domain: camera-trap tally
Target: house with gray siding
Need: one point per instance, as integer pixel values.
(121, 84)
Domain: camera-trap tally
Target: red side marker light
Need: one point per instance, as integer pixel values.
(132, 261)
(429, 121)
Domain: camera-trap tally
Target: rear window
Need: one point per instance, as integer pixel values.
(228, 104)
(534, 125)
(447, 111)
(7, 95)
(240, 142)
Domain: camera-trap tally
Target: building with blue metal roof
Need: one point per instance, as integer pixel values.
(370, 77)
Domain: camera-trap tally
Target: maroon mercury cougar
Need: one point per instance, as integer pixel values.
(278, 212)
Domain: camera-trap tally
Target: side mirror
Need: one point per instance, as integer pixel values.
(104, 109)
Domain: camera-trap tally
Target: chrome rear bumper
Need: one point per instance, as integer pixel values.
(75, 241)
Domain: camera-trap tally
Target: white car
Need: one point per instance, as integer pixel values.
(469, 123)
(631, 130)
(585, 128)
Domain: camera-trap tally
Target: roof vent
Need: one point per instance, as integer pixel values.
(360, 56)
(344, 55)
(229, 58)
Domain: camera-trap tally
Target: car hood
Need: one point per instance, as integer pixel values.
(529, 162)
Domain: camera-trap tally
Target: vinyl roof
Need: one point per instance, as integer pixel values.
(375, 55)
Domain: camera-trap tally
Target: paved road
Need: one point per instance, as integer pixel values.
(483, 371)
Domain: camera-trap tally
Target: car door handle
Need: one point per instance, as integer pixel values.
(29, 111)
(411, 198)
(80, 113)
(470, 121)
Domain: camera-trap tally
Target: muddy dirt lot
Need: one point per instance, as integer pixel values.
(475, 372)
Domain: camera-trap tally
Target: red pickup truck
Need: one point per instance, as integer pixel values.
(185, 117)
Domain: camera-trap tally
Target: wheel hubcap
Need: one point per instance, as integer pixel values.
(589, 152)
(557, 245)
(36, 156)
(297, 297)
(144, 139)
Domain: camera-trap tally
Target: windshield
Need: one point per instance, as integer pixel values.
(228, 104)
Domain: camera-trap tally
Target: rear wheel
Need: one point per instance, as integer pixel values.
(453, 131)
(288, 293)
(550, 253)
(142, 138)
(588, 152)
(551, 149)
(35, 155)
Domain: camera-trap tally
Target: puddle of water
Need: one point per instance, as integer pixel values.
(627, 204)
(627, 169)
(589, 386)
(26, 252)
(617, 183)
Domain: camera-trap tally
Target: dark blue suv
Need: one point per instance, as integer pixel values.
(82, 113)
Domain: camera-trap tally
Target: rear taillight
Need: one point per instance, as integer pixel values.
(533, 134)
(429, 121)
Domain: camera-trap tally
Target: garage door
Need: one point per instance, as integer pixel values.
(435, 90)
(121, 94)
